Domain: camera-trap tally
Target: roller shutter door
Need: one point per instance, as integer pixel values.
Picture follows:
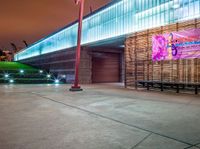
(105, 67)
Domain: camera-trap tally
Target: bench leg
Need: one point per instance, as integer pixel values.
(152, 85)
(162, 89)
(196, 89)
(143, 84)
(147, 86)
(177, 88)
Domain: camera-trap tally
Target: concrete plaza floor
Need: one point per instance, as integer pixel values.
(100, 117)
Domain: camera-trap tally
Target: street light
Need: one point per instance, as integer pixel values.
(76, 86)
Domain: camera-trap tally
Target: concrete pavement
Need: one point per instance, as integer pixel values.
(100, 117)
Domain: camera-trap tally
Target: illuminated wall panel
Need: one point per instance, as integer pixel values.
(116, 19)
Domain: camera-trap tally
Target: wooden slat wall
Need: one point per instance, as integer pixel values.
(139, 65)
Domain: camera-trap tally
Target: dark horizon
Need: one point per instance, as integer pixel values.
(27, 20)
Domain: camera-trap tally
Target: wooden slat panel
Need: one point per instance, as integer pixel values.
(138, 53)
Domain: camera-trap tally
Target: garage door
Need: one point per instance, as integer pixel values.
(105, 67)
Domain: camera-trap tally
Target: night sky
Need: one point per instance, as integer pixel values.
(32, 20)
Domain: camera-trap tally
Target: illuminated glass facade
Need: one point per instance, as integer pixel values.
(119, 18)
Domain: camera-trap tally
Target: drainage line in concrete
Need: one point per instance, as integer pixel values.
(142, 140)
(111, 119)
(195, 145)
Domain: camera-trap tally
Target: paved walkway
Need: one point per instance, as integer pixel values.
(100, 117)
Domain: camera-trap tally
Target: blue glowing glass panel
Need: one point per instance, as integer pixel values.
(117, 19)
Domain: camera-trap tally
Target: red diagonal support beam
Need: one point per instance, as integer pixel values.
(76, 86)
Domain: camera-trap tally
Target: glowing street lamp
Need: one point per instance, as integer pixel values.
(76, 86)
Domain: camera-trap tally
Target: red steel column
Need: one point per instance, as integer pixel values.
(76, 86)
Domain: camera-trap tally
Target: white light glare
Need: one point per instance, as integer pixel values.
(21, 71)
(63, 76)
(56, 81)
(11, 81)
(6, 75)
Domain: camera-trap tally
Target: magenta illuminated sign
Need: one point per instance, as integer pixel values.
(176, 45)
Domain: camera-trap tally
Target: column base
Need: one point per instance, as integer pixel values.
(75, 89)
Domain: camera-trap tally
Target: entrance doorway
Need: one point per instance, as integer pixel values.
(105, 67)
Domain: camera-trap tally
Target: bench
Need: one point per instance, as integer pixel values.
(162, 84)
